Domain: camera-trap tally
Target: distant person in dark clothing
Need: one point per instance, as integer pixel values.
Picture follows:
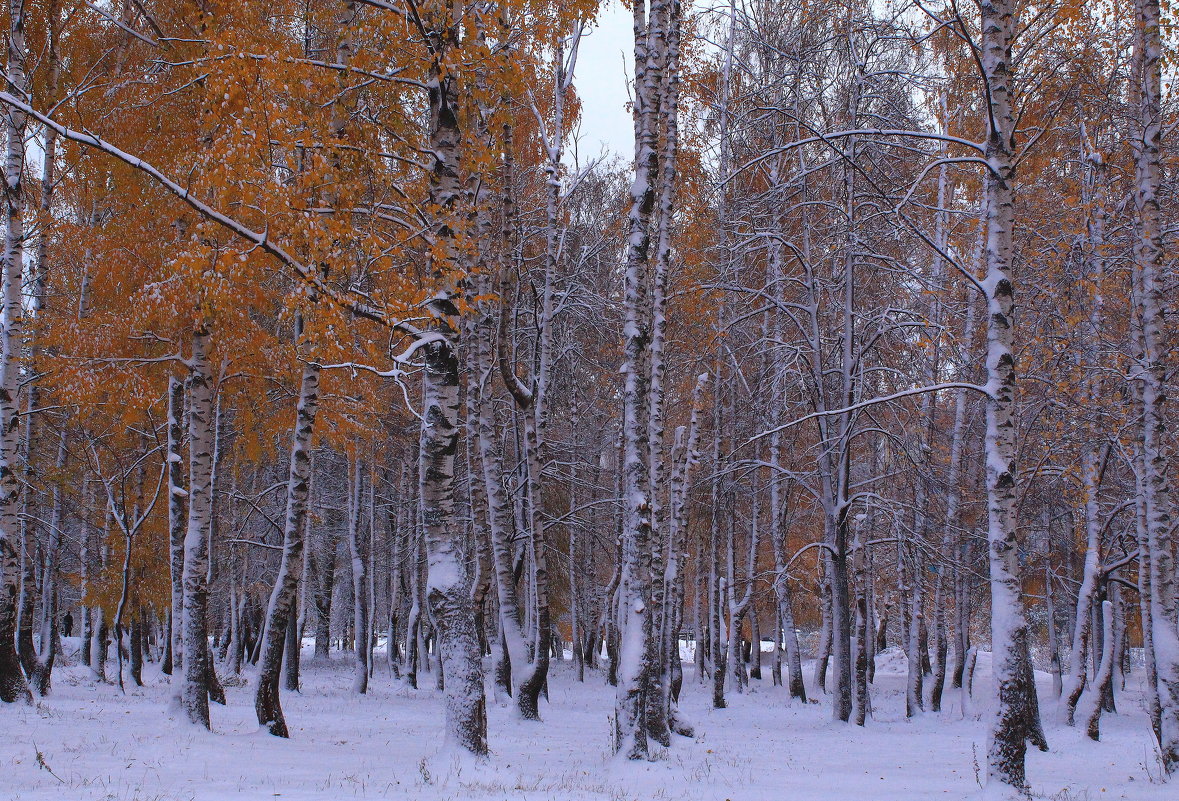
(67, 625)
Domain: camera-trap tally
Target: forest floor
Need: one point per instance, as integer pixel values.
(90, 741)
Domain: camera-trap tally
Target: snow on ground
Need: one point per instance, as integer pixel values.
(100, 744)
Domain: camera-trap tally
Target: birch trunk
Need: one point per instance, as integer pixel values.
(823, 656)
(635, 586)
(1092, 711)
(1016, 719)
(448, 583)
(779, 505)
(324, 594)
(952, 538)
(358, 550)
(447, 580)
(99, 639)
(574, 562)
(863, 701)
(281, 608)
(530, 659)
(513, 662)
(1151, 372)
(669, 664)
(510, 651)
(739, 608)
(662, 616)
(13, 686)
(176, 514)
(1072, 688)
(50, 636)
(49, 631)
(1094, 459)
(85, 551)
(194, 696)
(413, 624)
(716, 630)
(914, 695)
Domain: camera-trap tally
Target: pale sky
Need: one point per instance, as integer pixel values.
(602, 75)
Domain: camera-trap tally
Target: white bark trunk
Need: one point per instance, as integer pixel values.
(1017, 715)
(280, 611)
(194, 695)
(13, 686)
(1151, 371)
(358, 551)
(1092, 707)
(635, 588)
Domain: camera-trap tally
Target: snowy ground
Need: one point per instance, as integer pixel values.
(100, 744)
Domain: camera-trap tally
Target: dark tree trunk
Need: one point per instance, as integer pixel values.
(291, 656)
(137, 651)
(863, 701)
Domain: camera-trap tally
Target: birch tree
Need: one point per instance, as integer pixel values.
(1161, 596)
(1017, 715)
(12, 679)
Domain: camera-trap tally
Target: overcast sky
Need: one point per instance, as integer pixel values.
(603, 70)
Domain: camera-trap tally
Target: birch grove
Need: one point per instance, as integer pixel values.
(327, 338)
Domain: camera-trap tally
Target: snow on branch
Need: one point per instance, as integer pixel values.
(865, 404)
